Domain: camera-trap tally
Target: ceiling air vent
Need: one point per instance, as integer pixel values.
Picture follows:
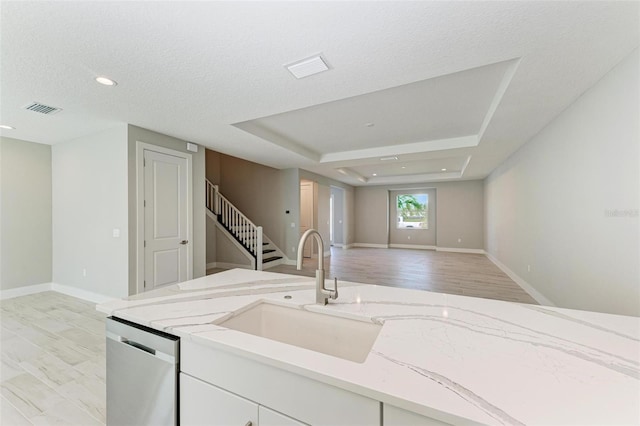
(42, 109)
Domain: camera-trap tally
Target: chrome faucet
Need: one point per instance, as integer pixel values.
(321, 291)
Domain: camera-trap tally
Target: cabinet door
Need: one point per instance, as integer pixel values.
(202, 404)
(272, 418)
(393, 416)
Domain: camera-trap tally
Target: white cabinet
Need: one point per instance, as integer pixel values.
(394, 416)
(271, 418)
(202, 404)
(301, 398)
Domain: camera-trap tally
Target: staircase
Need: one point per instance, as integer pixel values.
(240, 228)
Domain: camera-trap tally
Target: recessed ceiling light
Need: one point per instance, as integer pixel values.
(4, 126)
(403, 167)
(106, 81)
(375, 174)
(388, 158)
(369, 124)
(444, 170)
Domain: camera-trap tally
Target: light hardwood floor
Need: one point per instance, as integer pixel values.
(53, 346)
(53, 361)
(453, 273)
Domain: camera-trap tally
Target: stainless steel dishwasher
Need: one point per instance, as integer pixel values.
(142, 375)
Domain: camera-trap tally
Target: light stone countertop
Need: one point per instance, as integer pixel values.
(458, 359)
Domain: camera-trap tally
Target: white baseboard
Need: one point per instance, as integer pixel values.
(24, 291)
(522, 283)
(337, 245)
(460, 250)
(412, 246)
(367, 245)
(212, 265)
(80, 293)
(287, 261)
(347, 246)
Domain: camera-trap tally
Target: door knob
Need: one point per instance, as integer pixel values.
(183, 242)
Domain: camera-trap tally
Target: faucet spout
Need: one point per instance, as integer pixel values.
(322, 293)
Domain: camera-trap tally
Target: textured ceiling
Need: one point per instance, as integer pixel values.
(193, 69)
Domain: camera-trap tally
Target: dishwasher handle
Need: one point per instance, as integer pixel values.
(144, 348)
(137, 345)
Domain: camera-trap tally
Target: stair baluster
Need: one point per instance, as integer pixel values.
(246, 232)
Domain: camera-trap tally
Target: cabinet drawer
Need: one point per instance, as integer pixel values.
(202, 404)
(301, 398)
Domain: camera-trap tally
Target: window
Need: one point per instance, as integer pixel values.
(413, 211)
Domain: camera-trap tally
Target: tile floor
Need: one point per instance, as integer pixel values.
(52, 361)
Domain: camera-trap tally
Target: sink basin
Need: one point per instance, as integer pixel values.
(340, 337)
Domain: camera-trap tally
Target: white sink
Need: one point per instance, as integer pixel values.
(340, 337)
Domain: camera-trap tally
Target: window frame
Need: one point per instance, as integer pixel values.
(399, 215)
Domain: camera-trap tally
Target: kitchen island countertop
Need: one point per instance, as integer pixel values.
(458, 359)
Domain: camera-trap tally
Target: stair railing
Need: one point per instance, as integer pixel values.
(245, 231)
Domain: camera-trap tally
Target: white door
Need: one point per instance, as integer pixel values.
(306, 213)
(166, 219)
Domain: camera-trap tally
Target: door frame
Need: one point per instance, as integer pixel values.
(140, 266)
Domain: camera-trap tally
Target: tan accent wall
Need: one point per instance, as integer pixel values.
(257, 191)
(265, 195)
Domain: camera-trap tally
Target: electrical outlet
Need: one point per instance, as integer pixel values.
(84, 272)
(408, 237)
(459, 240)
(528, 268)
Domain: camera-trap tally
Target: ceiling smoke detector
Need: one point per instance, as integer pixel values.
(42, 108)
(307, 67)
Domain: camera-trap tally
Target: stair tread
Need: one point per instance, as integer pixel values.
(271, 259)
(265, 251)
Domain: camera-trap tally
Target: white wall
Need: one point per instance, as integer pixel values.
(25, 225)
(326, 184)
(549, 205)
(338, 215)
(90, 201)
